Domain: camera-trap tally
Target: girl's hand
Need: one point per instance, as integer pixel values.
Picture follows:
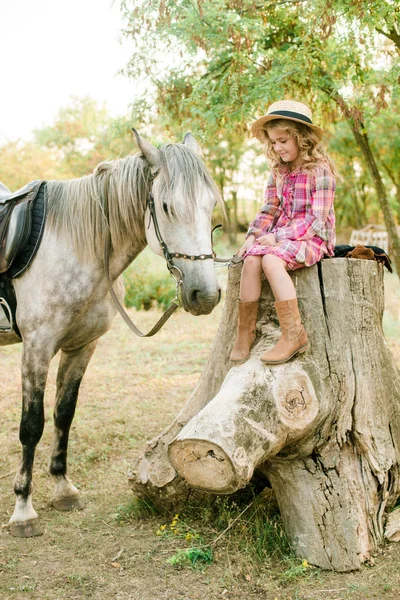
(267, 240)
(247, 245)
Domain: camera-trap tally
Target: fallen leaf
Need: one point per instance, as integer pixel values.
(118, 555)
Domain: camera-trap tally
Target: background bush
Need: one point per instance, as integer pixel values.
(148, 283)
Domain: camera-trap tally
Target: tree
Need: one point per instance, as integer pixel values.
(81, 136)
(24, 162)
(235, 58)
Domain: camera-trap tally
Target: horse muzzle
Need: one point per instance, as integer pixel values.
(199, 301)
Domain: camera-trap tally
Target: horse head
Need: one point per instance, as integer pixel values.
(178, 224)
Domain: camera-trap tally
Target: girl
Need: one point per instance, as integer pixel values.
(294, 228)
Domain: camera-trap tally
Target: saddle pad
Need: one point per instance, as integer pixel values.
(375, 253)
(24, 259)
(7, 292)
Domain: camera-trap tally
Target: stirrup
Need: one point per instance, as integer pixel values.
(7, 328)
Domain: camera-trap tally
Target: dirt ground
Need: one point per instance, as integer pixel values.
(132, 389)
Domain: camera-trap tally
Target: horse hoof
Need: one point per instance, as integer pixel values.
(68, 503)
(26, 529)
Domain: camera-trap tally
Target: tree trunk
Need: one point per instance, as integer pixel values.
(362, 140)
(234, 220)
(360, 135)
(324, 428)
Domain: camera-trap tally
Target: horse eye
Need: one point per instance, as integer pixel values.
(165, 207)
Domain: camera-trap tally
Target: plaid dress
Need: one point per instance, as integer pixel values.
(298, 209)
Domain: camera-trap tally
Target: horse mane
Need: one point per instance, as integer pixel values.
(75, 207)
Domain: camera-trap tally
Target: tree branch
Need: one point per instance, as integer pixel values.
(390, 173)
(391, 35)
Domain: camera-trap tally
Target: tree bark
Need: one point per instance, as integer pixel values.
(324, 428)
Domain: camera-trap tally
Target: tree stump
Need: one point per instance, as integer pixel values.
(323, 428)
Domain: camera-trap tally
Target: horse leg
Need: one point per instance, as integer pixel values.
(24, 521)
(70, 372)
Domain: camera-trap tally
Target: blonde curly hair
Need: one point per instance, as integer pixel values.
(311, 149)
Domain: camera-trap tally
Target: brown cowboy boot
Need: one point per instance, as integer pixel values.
(246, 331)
(293, 339)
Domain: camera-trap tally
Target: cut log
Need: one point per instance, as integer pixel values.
(219, 449)
(324, 428)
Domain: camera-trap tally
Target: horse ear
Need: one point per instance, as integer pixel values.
(149, 151)
(192, 144)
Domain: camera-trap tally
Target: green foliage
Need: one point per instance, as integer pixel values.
(244, 523)
(251, 524)
(232, 59)
(194, 557)
(197, 555)
(297, 569)
(148, 284)
(24, 162)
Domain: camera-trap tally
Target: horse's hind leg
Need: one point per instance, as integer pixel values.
(24, 521)
(70, 372)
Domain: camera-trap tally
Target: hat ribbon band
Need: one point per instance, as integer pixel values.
(289, 113)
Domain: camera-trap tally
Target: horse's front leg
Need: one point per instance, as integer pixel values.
(35, 364)
(70, 372)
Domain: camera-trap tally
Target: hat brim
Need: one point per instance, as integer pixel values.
(257, 129)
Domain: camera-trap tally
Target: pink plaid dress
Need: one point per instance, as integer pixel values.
(298, 209)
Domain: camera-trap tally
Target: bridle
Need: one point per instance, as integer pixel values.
(168, 256)
(173, 269)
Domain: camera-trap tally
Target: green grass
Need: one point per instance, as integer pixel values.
(245, 526)
(193, 557)
(137, 508)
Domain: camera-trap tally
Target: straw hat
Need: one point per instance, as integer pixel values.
(288, 110)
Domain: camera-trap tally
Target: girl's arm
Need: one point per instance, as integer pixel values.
(321, 204)
(267, 212)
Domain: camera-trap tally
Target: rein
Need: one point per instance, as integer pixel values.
(174, 271)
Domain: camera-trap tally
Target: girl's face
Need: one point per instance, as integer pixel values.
(285, 146)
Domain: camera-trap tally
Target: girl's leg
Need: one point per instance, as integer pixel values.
(250, 282)
(250, 289)
(278, 277)
(294, 338)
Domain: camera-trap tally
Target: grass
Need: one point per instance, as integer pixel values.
(196, 558)
(230, 548)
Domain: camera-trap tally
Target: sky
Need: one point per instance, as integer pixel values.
(51, 50)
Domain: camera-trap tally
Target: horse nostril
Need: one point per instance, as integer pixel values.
(194, 296)
(199, 297)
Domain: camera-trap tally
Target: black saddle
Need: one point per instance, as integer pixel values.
(16, 222)
(22, 220)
